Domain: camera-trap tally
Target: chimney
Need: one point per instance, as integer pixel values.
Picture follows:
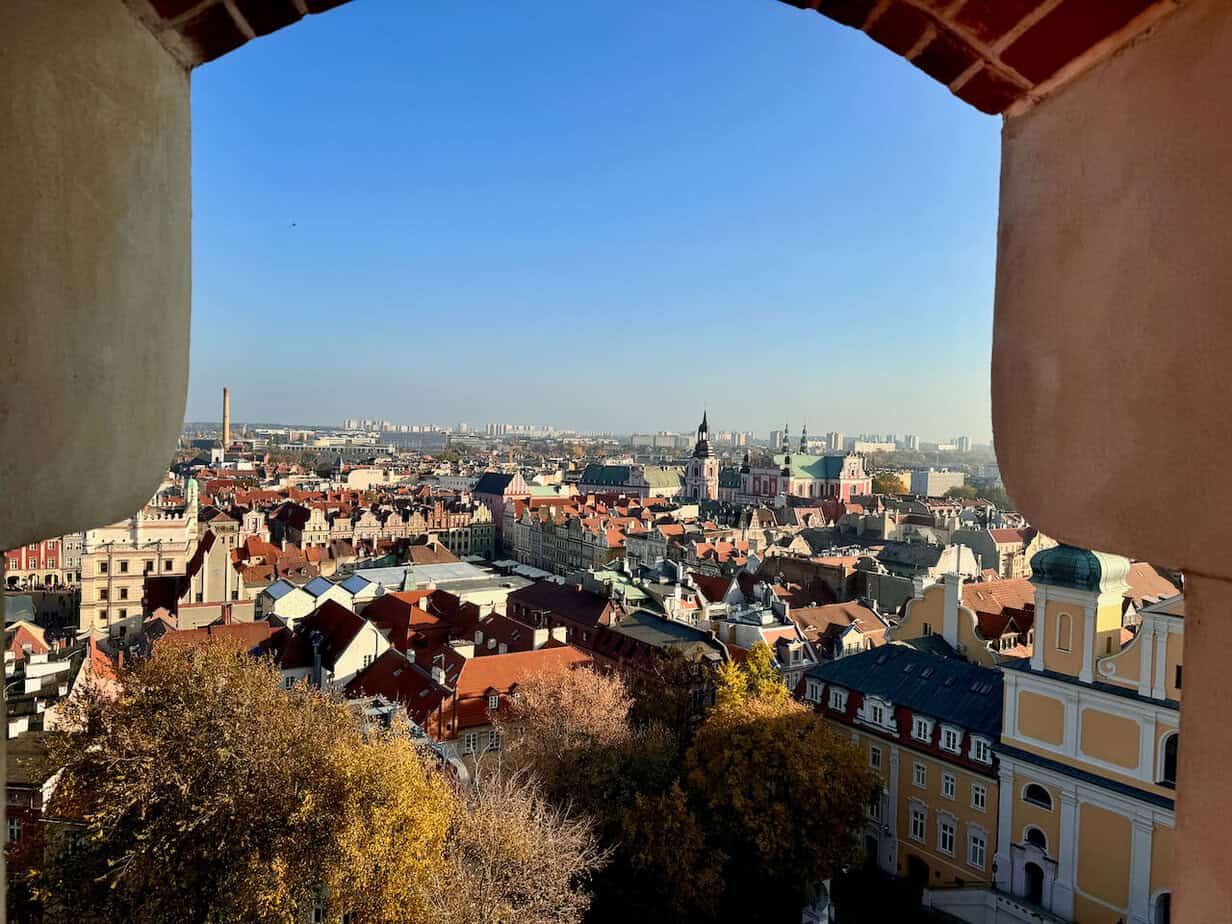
(438, 669)
(226, 418)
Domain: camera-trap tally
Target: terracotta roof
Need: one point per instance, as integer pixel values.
(500, 672)
(1147, 585)
(1003, 536)
(399, 680)
(244, 635)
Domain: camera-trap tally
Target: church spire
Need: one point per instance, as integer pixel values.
(803, 440)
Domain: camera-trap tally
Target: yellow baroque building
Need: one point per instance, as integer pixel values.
(1087, 757)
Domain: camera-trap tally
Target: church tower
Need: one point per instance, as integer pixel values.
(702, 475)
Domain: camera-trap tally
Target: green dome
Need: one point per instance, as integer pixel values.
(1079, 569)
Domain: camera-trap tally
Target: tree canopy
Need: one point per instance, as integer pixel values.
(206, 792)
(888, 483)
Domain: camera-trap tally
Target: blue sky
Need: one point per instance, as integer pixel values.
(593, 215)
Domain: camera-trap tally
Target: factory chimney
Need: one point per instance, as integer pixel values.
(226, 418)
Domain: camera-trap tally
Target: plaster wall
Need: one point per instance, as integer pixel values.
(94, 264)
(1114, 270)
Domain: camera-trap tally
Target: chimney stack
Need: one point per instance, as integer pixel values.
(226, 418)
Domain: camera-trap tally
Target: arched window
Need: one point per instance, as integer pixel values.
(1167, 774)
(1037, 795)
(1162, 912)
(1064, 630)
(1036, 838)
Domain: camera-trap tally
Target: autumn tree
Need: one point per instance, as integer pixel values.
(572, 733)
(205, 792)
(961, 492)
(781, 796)
(756, 678)
(513, 858)
(888, 483)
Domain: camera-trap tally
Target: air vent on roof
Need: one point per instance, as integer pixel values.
(881, 659)
(908, 668)
(949, 681)
(927, 672)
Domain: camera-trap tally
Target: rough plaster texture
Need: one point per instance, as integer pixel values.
(1114, 273)
(1202, 882)
(1110, 360)
(95, 264)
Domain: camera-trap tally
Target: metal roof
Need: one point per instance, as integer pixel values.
(355, 583)
(318, 586)
(279, 589)
(947, 689)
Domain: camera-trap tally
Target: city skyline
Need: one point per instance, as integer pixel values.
(423, 219)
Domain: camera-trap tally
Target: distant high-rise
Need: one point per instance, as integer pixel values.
(912, 442)
(226, 417)
(834, 441)
(963, 443)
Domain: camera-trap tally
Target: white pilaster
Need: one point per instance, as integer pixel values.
(1161, 663)
(1005, 822)
(1088, 642)
(1067, 857)
(1146, 642)
(1140, 872)
(1146, 749)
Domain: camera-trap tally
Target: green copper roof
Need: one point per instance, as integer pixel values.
(659, 477)
(1079, 569)
(812, 466)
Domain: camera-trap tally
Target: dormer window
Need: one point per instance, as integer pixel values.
(981, 750)
(921, 728)
(493, 702)
(951, 739)
(838, 699)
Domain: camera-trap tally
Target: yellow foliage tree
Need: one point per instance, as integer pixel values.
(757, 678)
(205, 792)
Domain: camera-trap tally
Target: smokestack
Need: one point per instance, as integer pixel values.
(226, 418)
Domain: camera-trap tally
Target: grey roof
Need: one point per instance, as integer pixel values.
(18, 606)
(614, 475)
(911, 554)
(492, 483)
(318, 586)
(661, 632)
(280, 588)
(355, 583)
(729, 478)
(947, 689)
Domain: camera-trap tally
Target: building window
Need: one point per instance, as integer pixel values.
(103, 593)
(977, 847)
(123, 614)
(919, 823)
(928, 629)
(1178, 677)
(124, 567)
(123, 593)
(149, 565)
(919, 775)
(979, 797)
(14, 830)
(1168, 774)
(494, 741)
(921, 728)
(874, 808)
(981, 750)
(493, 702)
(948, 785)
(874, 757)
(470, 742)
(167, 565)
(1037, 795)
(951, 739)
(289, 682)
(945, 836)
(368, 659)
(1036, 838)
(838, 699)
(102, 567)
(1063, 632)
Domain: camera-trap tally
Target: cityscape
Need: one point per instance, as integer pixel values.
(708, 462)
(427, 575)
